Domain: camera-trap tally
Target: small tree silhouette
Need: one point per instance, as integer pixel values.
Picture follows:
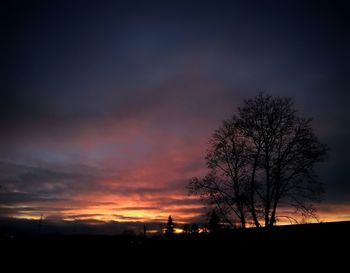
(170, 226)
(194, 229)
(144, 231)
(186, 228)
(214, 223)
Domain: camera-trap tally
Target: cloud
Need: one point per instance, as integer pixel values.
(77, 191)
(109, 112)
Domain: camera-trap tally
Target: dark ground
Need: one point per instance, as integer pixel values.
(280, 249)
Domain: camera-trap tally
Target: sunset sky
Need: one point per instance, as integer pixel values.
(106, 106)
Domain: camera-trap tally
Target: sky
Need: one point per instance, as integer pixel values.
(107, 106)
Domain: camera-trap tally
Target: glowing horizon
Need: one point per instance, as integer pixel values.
(105, 213)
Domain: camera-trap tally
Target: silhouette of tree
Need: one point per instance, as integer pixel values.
(214, 223)
(186, 229)
(129, 233)
(194, 229)
(144, 231)
(170, 226)
(261, 157)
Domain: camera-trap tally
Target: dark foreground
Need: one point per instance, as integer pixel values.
(279, 249)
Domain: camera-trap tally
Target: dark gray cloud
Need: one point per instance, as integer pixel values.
(51, 183)
(45, 181)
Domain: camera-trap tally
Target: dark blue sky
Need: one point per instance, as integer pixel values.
(114, 101)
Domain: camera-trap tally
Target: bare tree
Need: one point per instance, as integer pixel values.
(262, 158)
(224, 186)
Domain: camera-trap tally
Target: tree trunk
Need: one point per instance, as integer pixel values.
(268, 189)
(252, 190)
(243, 222)
(276, 196)
(273, 213)
(242, 215)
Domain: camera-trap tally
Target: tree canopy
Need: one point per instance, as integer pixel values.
(262, 158)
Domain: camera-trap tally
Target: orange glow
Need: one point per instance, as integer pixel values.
(178, 230)
(145, 188)
(133, 208)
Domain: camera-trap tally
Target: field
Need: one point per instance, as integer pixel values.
(279, 248)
